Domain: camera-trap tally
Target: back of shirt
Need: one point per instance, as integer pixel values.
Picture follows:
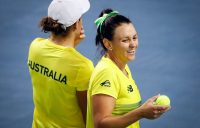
(57, 72)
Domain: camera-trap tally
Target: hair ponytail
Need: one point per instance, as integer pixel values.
(108, 28)
(47, 24)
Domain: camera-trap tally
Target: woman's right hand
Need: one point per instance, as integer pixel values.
(152, 111)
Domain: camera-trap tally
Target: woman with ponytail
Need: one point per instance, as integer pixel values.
(59, 73)
(113, 97)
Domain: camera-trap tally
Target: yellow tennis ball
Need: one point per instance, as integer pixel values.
(162, 100)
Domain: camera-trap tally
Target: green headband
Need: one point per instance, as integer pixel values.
(100, 20)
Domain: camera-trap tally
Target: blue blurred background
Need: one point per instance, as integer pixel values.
(168, 57)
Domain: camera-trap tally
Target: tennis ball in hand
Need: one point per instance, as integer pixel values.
(162, 100)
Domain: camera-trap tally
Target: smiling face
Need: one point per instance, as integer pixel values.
(124, 43)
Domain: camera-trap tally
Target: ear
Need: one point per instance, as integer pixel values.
(77, 24)
(107, 44)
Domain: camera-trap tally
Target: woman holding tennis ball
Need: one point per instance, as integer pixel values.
(113, 97)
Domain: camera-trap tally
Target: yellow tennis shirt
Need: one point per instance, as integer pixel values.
(57, 72)
(108, 79)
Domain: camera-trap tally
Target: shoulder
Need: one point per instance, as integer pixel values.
(84, 61)
(105, 66)
(38, 39)
(35, 45)
(103, 70)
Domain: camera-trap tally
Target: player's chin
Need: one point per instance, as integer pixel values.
(82, 36)
(78, 41)
(131, 57)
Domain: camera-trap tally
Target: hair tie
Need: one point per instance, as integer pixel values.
(99, 21)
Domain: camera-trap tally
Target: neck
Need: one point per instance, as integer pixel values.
(121, 65)
(66, 41)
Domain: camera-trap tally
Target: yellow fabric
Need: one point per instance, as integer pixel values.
(57, 73)
(108, 79)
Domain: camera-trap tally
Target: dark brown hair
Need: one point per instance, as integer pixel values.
(108, 28)
(47, 24)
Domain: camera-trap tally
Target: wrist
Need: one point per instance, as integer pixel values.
(140, 113)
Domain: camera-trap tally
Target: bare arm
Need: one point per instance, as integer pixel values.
(82, 100)
(102, 112)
